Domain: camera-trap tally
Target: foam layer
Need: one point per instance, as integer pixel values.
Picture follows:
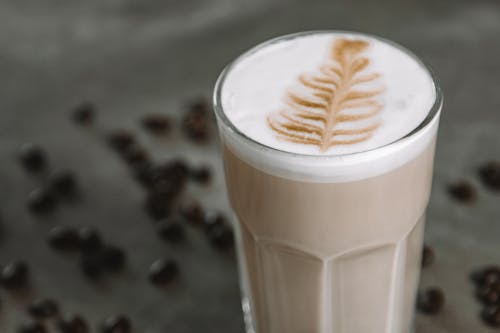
(330, 95)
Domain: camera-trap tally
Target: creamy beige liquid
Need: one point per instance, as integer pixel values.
(331, 257)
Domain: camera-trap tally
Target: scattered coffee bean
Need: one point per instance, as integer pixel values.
(430, 301)
(196, 122)
(489, 295)
(156, 123)
(31, 327)
(43, 308)
(214, 219)
(116, 324)
(89, 239)
(121, 140)
(486, 276)
(427, 256)
(91, 265)
(491, 315)
(32, 157)
(113, 258)
(202, 175)
(192, 211)
(73, 324)
(84, 113)
(135, 154)
(64, 238)
(171, 229)
(199, 105)
(158, 205)
(222, 237)
(163, 271)
(15, 275)
(462, 191)
(41, 201)
(169, 178)
(489, 174)
(63, 182)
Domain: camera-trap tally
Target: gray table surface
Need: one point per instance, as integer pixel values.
(135, 57)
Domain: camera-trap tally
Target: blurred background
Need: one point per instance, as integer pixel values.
(80, 79)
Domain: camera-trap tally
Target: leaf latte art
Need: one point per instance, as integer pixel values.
(337, 105)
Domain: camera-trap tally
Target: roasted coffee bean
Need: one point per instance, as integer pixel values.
(121, 140)
(32, 157)
(430, 301)
(116, 324)
(144, 174)
(427, 256)
(43, 308)
(156, 123)
(31, 327)
(222, 237)
(214, 219)
(91, 265)
(171, 229)
(158, 205)
(113, 258)
(192, 211)
(89, 239)
(201, 175)
(491, 315)
(135, 154)
(196, 127)
(489, 174)
(41, 201)
(486, 276)
(489, 295)
(64, 238)
(462, 191)
(63, 182)
(169, 179)
(73, 324)
(84, 113)
(199, 105)
(15, 275)
(163, 271)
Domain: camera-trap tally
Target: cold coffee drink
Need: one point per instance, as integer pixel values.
(328, 144)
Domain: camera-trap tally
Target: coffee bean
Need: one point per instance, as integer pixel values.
(427, 256)
(113, 258)
(214, 219)
(41, 201)
(73, 324)
(199, 105)
(156, 123)
(135, 154)
(63, 182)
(84, 113)
(89, 239)
(462, 191)
(144, 174)
(196, 127)
(222, 237)
(120, 140)
(201, 175)
(32, 157)
(489, 295)
(163, 271)
(430, 301)
(91, 265)
(489, 174)
(171, 229)
(64, 238)
(486, 276)
(31, 327)
(43, 308)
(169, 179)
(15, 275)
(192, 211)
(158, 205)
(491, 315)
(116, 324)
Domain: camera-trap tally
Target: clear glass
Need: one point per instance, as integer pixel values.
(328, 257)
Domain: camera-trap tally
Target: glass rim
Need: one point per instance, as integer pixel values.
(221, 115)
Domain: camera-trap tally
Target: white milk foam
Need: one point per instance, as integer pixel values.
(256, 84)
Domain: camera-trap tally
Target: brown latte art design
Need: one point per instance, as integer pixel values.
(332, 97)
